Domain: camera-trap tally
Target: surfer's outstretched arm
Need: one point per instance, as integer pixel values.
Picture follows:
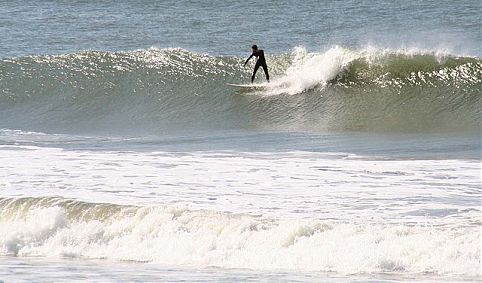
(249, 59)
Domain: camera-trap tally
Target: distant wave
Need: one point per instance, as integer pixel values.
(56, 227)
(173, 89)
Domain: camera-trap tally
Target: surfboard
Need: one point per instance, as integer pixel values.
(248, 85)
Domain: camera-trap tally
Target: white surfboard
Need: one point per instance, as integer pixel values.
(248, 85)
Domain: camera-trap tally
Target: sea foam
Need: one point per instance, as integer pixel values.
(173, 236)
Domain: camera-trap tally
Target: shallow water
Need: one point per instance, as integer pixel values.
(38, 270)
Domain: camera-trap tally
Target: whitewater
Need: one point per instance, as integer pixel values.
(146, 156)
(126, 157)
(243, 210)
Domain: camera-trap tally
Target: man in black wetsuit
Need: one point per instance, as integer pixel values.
(261, 62)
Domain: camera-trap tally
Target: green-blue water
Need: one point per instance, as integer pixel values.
(230, 27)
(122, 149)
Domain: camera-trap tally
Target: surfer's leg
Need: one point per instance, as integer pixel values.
(256, 67)
(265, 68)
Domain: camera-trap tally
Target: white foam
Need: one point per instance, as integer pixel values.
(299, 184)
(309, 70)
(179, 237)
(325, 212)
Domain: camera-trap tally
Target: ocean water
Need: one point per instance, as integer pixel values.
(124, 156)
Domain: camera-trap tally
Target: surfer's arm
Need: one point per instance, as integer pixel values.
(248, 59)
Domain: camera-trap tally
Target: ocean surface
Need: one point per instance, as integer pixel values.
(124, 156)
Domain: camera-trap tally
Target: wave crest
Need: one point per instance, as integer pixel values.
(173, 236)
(160, 90)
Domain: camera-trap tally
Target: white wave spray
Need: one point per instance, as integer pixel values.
(174, 236)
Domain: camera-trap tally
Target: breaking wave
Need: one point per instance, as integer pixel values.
(56, 227)
(159, 90)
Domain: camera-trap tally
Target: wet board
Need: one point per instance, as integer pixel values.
(248, 85)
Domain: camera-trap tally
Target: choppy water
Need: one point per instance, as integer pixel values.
(122, 148)
(231, 27)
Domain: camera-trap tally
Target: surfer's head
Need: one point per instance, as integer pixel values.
(254, 47)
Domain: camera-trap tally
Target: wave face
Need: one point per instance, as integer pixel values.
(153, 91)
(57, 227)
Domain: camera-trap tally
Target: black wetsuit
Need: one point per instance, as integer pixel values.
(261, 62)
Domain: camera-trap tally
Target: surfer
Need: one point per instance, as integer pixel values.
(261, 62)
